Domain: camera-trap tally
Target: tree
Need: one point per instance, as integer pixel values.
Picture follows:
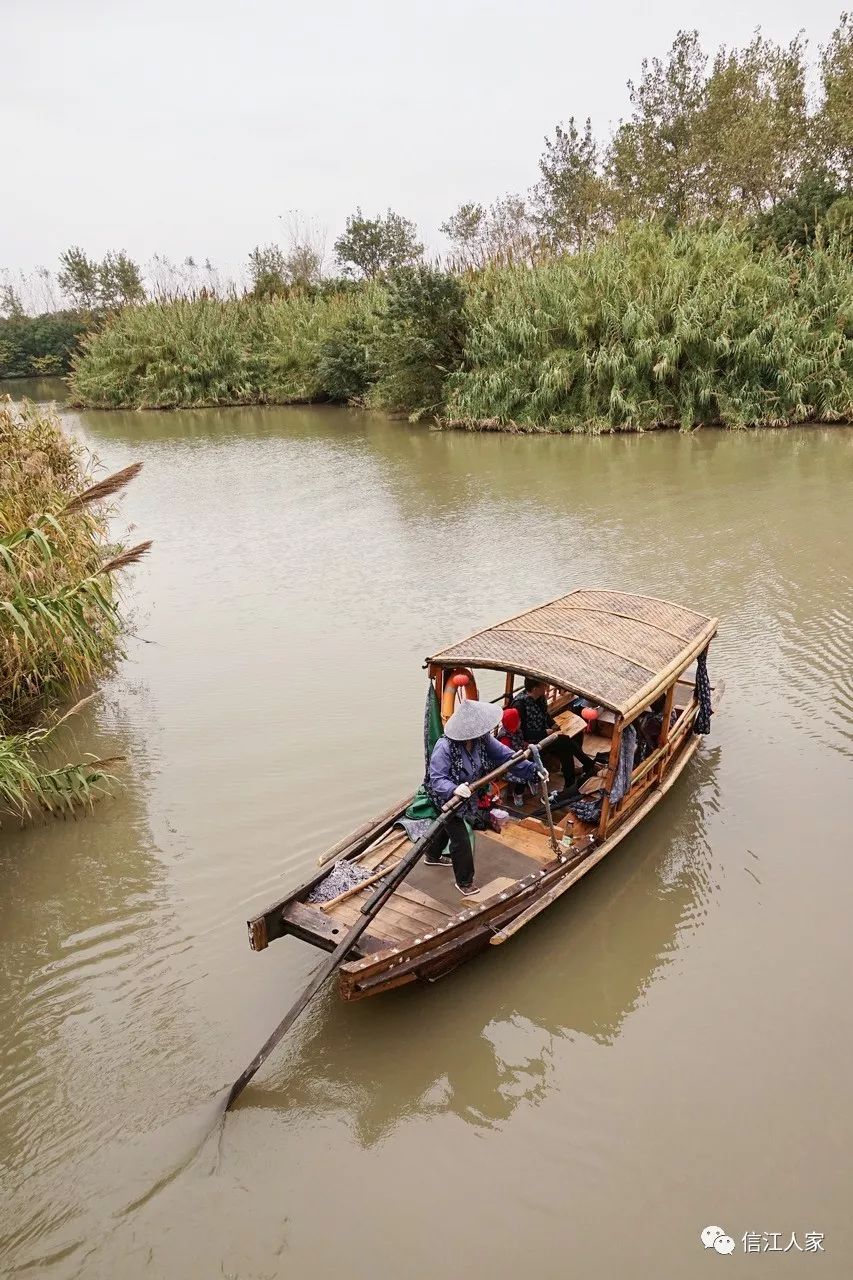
(419, 339)
(503, 232)
(268, 271)
(119, 281)
(306, 250)
(753, 129)
(571, 197)
(115, 282)
(794, 220)
(371, 247)
(11, 305)
(654, 162)
(79, 278)
(835, 121)
(465, 230)
(839, 221)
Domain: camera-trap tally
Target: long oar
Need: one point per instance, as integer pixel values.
(369, 909)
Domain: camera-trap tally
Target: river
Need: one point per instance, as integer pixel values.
(670, 1047)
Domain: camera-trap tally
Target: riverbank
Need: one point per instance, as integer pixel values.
(60, 622)
(646, 330)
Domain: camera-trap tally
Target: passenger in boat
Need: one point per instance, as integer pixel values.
(649, 725)
(537, 723)
(509, 733)
(468, 751)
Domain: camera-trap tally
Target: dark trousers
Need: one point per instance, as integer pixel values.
(461, 854)
(567, 750)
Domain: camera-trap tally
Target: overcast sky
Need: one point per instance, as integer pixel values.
(187, 126)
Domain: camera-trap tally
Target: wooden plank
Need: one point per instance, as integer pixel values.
(569, 723)
(386, 922)
(312, 926)
(423, 917)
(496, 887)
(416, 895)
(409, 915)
(531, 843)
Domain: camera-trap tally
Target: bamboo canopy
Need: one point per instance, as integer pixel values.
(617, 649)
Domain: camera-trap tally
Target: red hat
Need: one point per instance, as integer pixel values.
(511, 720)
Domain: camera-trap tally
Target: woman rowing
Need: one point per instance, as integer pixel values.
(467, 752)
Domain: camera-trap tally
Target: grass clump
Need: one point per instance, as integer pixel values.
(651, 329)
(60, 622)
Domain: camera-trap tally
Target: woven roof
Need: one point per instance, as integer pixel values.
(613, 648)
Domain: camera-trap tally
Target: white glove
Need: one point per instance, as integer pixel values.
(544, 775)
(463, 790)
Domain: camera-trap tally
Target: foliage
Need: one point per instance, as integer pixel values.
(650, 329)
(165, 355)
(267, 271)
(345, 368)
(420, 335)
(502, 233)
(572, 200)
(370, 247)
(209, 352)
(78, 278)
(793, 221)
(60, 624)
(835, 120)
(839, 222)
(11, 305)
(35, 346)
(654, 163)
(753, 127)
(114, 282)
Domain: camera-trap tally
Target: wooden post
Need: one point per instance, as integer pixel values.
(612, 762)
(510, 681)
(664, 729)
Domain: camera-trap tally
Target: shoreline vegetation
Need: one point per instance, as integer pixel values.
(647, 329)
(61, 623)
(694, 269)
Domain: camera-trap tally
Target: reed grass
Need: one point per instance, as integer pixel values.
(651, 330)
(60, 621)
(207, 352)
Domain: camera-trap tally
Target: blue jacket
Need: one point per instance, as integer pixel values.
(439, 765)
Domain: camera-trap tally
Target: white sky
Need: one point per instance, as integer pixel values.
(187, 126)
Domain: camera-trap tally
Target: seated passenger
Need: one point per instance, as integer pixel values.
(509, 733)
(537, 723)
(468, 751)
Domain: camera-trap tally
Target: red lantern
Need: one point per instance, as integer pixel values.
(590, 715)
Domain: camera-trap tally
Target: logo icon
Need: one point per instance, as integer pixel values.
(716, 1238)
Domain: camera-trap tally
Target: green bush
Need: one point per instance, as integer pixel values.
(419, 339)
(38, 346)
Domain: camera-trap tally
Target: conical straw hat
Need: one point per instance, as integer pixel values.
(472, 720)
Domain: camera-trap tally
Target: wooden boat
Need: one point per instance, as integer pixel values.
(620, 653)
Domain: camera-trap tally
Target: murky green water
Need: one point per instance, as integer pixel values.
(668, 1048)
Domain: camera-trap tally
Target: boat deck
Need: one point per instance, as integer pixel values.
(428, 900)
